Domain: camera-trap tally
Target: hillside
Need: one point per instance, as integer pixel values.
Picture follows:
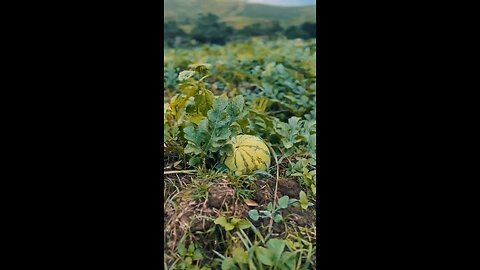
(237, 13)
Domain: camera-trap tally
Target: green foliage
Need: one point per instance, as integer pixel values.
(306, 176)
(234, 222)
(212, 134)
(189, 257)
(272, 212)
(272, 255)
(212, 93)
(304, 203)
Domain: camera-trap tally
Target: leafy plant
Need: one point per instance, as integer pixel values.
(304, 203)
(272, 211)
(212, 134)
(256, 256)
(301, 170)
(189, 256)
(234, 222)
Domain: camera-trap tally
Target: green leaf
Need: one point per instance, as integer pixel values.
(221, 221)
(303, 200)
(181, 250)
(278, 218)
(192, 148)
(283, 202)
(229, 264)
(253, 214)
(292, 201)
(234, 221)
(266, 213)
(197, 255)
(270, 207)
(186, 74)
(243, 224)
(240, 255)
(276, 247)
(289, 260)
(191, 248)
(229, 227)
(189, 89)
(265, 256)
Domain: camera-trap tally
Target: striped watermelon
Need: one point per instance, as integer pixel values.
(250, 153)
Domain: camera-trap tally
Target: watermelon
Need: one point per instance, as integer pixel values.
(250, 154)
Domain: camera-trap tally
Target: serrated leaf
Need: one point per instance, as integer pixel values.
(195, 118)
(192, 148)
(186, 74)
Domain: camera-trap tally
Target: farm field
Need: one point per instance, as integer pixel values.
(233, 201)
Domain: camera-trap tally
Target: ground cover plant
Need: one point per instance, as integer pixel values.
(246, 215)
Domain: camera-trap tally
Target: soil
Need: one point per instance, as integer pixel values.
(197, 215)
(219, 195)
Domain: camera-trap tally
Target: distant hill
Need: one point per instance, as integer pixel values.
(237, 13)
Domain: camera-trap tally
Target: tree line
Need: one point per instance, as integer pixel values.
(209, 29)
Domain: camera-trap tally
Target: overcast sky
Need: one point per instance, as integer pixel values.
(285, 2)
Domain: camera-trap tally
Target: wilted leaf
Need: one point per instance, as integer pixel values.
(251, 202)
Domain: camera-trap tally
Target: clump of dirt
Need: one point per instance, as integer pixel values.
(265, 189)
(219, 195)
(263, 192)
(299, 216)
(289, 187)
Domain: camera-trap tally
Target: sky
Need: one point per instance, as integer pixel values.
(285, 2)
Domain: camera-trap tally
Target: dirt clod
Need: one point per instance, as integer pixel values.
(220, 194)
(289, 187)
